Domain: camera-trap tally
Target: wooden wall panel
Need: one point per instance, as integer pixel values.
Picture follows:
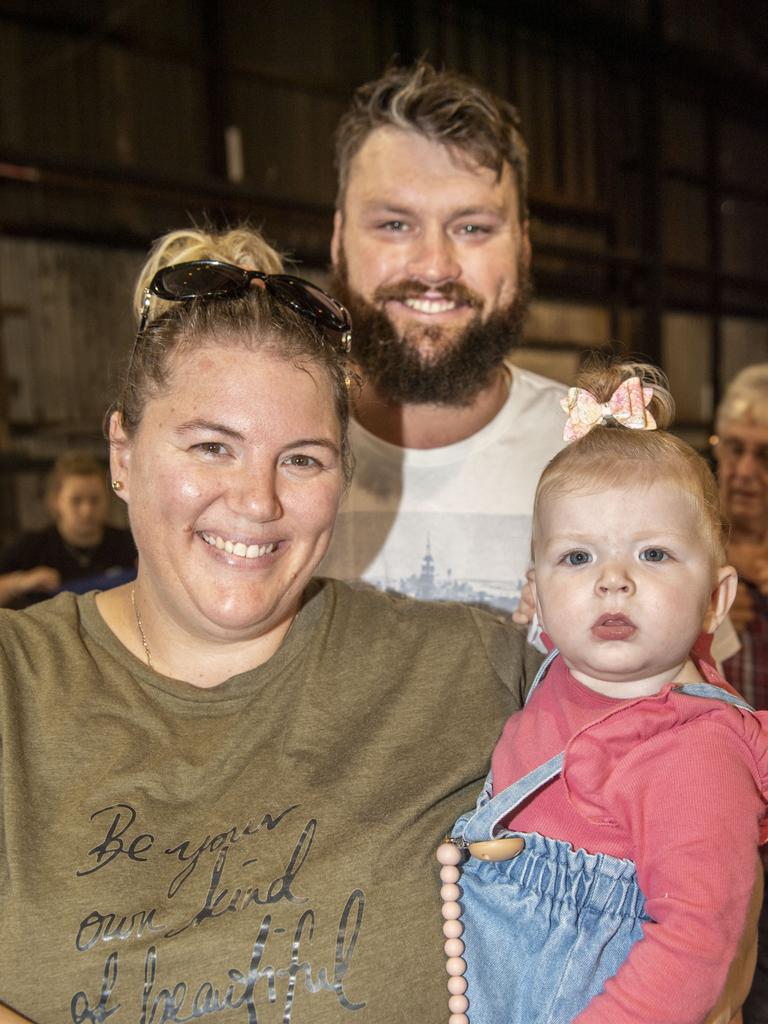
(325, 45)
(66, 333)
(96, 103)
(117, 120)
(287, 140)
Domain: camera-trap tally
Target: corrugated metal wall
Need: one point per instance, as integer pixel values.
(648, 171)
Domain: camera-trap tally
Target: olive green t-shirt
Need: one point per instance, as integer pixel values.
(262, 851)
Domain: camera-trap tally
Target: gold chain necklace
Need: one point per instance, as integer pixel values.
(141, 628)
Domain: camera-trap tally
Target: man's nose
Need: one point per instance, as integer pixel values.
(433, 257)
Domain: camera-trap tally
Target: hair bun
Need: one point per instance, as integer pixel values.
(602, 379)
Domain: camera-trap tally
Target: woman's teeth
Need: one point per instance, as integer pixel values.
(237, 547)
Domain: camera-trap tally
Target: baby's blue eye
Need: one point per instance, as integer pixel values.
(653, 555)
(578, 558)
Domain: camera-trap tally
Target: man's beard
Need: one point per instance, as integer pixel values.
(456, 371)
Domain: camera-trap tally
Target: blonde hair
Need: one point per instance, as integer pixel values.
(255, 320)
(612, 455)
(444, 107)
(241, 245)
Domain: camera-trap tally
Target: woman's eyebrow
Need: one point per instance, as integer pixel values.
(320, 442)
(209, 425)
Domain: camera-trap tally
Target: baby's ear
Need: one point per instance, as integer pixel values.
(721, 598)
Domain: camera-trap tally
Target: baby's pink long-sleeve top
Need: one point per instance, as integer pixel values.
(677, 784)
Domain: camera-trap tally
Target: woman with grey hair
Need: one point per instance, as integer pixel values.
(741, 451)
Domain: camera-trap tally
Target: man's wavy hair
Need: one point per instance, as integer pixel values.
(444, 107)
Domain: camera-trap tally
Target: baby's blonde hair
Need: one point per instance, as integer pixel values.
(612, 455)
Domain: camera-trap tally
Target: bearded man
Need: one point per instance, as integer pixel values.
(431, 255)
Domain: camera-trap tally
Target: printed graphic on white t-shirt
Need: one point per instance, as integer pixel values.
(477, 559)
(451, 523)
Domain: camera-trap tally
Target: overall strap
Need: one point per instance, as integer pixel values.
(543, 669)
(482, 823)
(714, 693)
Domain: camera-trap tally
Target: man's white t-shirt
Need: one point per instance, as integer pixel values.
(454, 523)
(451, 523)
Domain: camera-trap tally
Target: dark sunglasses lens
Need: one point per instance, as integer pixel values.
(307, 299)
(193, 280)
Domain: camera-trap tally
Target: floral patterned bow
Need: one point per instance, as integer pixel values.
(627, 406)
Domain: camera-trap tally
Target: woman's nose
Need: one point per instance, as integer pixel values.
(255, 495)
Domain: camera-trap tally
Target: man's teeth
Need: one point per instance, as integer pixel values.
(238, 548)
(430, 305)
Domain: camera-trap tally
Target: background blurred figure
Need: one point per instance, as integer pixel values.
(78, 551)
(741, 452)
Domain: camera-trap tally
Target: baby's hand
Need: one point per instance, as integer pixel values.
(525, 611)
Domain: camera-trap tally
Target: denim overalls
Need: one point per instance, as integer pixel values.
(545, 930)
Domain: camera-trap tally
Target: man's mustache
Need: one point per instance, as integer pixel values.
(453, 291)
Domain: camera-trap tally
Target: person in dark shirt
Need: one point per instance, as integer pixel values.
(78, 551)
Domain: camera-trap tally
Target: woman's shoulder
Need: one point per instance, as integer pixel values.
(61, 611)
(47, 629)
(386, 606)
(448, 632)
(40, 644)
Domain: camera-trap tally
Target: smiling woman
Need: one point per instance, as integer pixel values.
(232, 494)
(222, 784)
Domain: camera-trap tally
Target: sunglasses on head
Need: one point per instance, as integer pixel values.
(212, 279)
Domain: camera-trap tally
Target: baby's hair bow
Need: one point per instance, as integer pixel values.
(627, 406)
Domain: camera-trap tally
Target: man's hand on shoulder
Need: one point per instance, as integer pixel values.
(523, 614)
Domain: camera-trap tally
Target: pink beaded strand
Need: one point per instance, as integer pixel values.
(457, 985)
(458, 1004)
(449, 856)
